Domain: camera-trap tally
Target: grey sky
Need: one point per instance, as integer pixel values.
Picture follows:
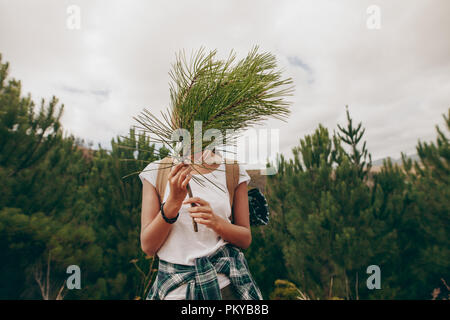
(395, 79)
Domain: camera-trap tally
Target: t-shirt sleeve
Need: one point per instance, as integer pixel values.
(243, 175)
(150, 173)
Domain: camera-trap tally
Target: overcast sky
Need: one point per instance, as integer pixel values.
(395, 79)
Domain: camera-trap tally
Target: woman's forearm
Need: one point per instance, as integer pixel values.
(238, 235)
(155, 233)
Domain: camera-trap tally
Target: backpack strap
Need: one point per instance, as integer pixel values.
(232, 176)
(161, 179)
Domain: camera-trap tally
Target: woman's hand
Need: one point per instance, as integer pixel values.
(179, 178)
(203, 213)
(238, 233)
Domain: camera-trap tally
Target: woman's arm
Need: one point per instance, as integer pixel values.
(154, 230)
(238, 233)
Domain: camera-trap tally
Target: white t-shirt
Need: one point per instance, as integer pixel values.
(183, 245)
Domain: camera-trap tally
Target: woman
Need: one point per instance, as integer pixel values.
(197, 265)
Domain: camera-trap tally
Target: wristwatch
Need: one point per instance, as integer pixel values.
(168, 220)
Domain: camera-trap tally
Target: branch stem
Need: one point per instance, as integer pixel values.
(188, 187)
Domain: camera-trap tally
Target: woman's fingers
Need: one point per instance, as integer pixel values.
(186, 181)
(200, 215)
(182, 175)
(201, 209)
(196, 200)
(174, 170)
(175, 177)
(202, 221)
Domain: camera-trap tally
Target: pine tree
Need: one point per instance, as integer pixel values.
(323, 212)
(25, 136)
(427, 220)
(352, 136)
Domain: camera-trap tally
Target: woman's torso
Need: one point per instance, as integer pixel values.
(183, 245)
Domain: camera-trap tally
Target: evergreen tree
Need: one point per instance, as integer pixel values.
(352, 136)
(323, 213)
(25, 136)
(427, 220)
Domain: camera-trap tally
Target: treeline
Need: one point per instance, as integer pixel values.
(332, 217)
(62, 204)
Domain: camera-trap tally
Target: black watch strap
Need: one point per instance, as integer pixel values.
(168, 220)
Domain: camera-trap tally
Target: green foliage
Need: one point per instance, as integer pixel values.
(332, 218)
(27, 240)
(285, 290)
(147, 268)
(427, 219)
(265, 259)
(26, 135)
(322, 212)
(222, 94)
(351, 137)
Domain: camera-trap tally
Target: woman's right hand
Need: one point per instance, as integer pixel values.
(179, 177)
(154, 231)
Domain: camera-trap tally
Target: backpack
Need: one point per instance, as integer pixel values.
(257, 203)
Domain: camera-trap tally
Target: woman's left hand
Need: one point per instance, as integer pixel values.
(203, 213)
